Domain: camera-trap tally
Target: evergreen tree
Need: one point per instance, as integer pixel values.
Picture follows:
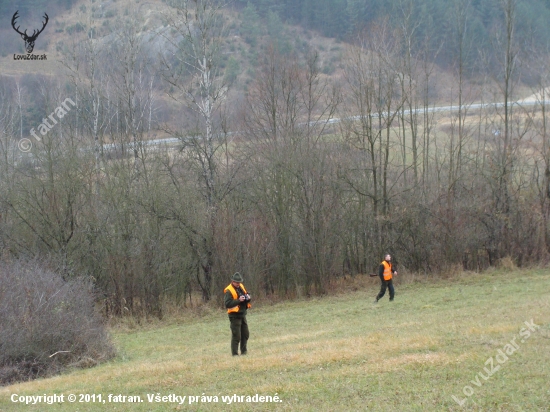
(232, 70)
(250, 24)
(339, 20)
(274, 25)
(292, 11)
(356, 12)
(308, 13)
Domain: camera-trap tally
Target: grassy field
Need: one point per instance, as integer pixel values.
(338, 353)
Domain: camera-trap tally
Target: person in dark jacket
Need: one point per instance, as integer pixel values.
(386, 271)
(237, 301)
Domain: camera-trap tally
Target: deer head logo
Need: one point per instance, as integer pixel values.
(29, 40)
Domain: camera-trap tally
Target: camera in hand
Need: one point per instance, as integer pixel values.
(246, 295)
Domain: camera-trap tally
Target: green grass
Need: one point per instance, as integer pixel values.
(339, 353)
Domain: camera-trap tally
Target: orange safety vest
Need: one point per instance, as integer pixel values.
(235, 296)
(387, 270)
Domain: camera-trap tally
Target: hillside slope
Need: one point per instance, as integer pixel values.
(339, 353)
(103, 19)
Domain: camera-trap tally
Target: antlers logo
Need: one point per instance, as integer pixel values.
(29, 40)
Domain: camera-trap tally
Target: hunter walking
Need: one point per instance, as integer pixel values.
(386, 271)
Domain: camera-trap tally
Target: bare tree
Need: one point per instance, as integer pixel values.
(194, 72)
(375, 101)
(539, 119)
(288, 110)
(506, 78)
(409, 92)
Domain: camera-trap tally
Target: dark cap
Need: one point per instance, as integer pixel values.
(237, 277)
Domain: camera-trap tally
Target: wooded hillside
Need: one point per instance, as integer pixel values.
(153, 162)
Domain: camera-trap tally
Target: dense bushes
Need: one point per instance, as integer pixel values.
(303, 179)
(46, 323)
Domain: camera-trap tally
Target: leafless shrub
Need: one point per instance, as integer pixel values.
(47, 323)
(507, 263)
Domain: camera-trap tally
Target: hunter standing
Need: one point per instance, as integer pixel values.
(386, 272)
(237, 301)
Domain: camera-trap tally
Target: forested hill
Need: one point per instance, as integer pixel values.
(340, 18)
(33, 8)
(431, 23)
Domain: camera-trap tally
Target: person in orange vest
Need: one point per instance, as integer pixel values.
(386, 272)
(237, 301)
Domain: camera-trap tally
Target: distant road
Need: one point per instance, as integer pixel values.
(422, 110)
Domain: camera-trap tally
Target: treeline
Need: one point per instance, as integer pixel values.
(297, 182)
(32, 8)
(432, 23)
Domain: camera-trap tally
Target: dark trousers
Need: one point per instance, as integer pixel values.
(239, 333)
(386, 284)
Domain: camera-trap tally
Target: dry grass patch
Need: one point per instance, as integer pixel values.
(340, 352)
